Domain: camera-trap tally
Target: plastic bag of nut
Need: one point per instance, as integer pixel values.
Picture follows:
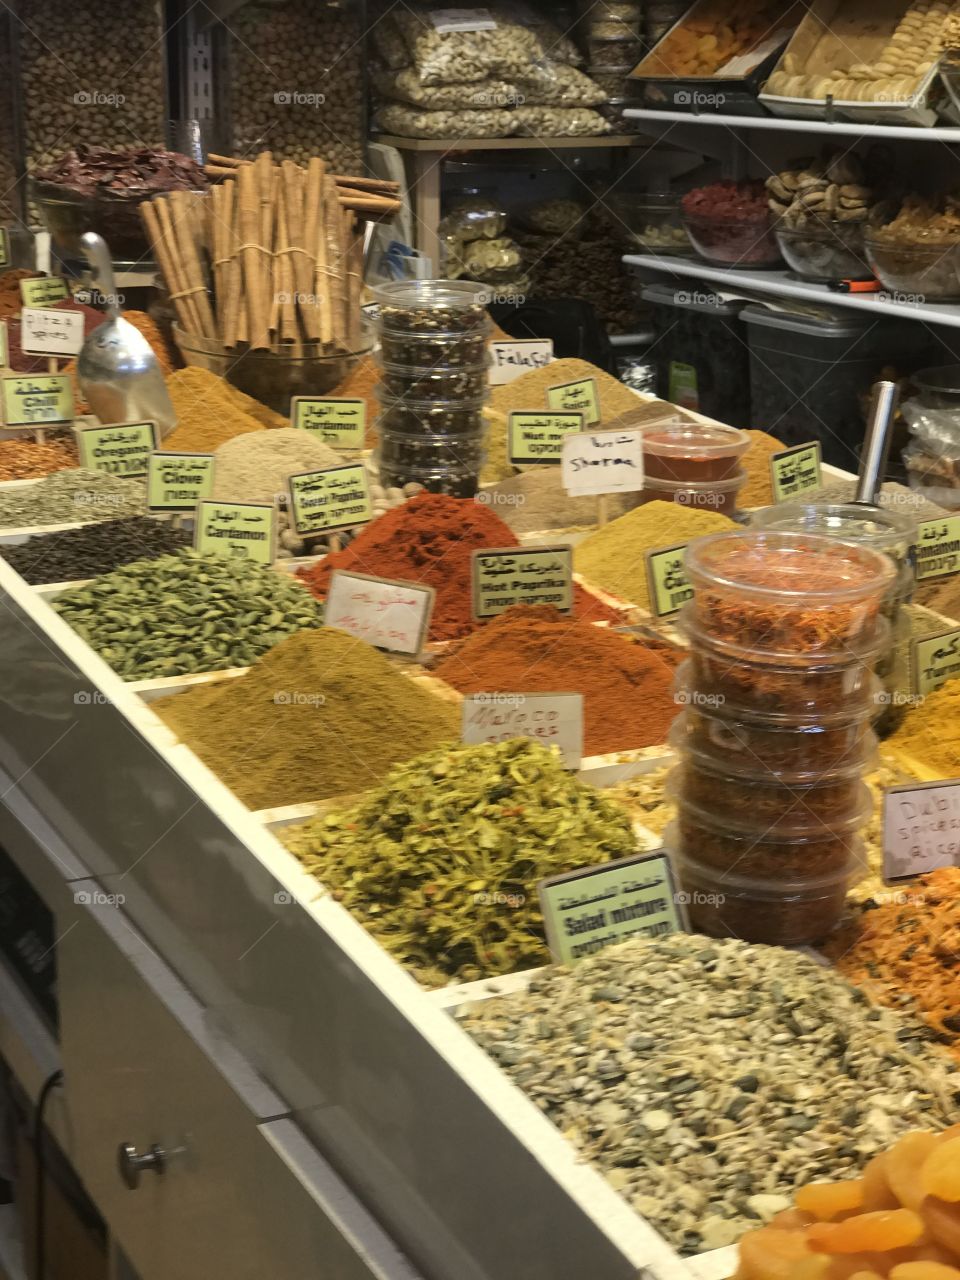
(406, 86)
(562, 86)
(559, 122)
(494, 47)
(408, 122)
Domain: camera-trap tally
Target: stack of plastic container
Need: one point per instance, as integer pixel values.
(433, 358)
(883, 530)
(695, 464)
(779, 691)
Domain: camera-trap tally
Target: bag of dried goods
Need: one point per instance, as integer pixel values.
(474, 219)
(408, 122)
(388, 42)
(932, 457)
(406, 86)
(560, 85)
(559, 122)
(496, 46)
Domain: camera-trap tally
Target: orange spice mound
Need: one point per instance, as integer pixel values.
(430, 539)
(904, 947)
(626, 684)
(27, 459)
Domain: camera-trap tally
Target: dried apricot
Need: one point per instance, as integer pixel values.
(826, 1199)
(942, 1220)
(868, 1232)
(940, 1175)
(791, 1220)
(877, 1193)
(924, 1271)
(771, 1254)
(904, 1162)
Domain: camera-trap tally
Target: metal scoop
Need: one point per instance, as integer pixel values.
(119, 375)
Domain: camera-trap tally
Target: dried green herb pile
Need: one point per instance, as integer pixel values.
(94, 549)
(71, 497)
(708, 1079)
(441, 862)
(322, 714)
(186, 613)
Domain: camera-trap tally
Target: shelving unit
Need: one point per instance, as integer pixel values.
(783, 284)
(783, 124)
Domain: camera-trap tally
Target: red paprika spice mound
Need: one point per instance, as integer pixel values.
(429, 539)
(626, 684)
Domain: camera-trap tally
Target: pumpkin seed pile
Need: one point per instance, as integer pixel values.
(187, 613)
(442, 860)
(708, 1079)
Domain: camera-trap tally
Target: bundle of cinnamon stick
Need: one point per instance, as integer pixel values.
(271, 257)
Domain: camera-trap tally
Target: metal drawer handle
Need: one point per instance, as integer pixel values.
(131, 1164)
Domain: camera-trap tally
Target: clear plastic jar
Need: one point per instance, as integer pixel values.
(790, 592)
(445, 418)
(803, 745)
(715, 495)
(424, 349)
(456, 382)
(801, 771)
(692, 452)
(438, 306)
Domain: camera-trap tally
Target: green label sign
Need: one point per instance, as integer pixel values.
(795, 471)
(237, 530)
(577, 397)
(178, 481)
(586, 911)
(667, 579)
(4, 247)
(938, 547)
(335, 498)
(337, 420)
(38, 398)
(43, 292)
(120, 450)
(936, 659)
(504, 576)
(539, 437)
(4, 345)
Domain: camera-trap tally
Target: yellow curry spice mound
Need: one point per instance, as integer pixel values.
(210, 411)
(529, 391)
(615, 556)
(758, 488)
(931, 732)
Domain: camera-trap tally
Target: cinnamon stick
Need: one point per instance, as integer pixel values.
(183, 211)
(379, 185)
(354, 281)
(313, 221)
(179, 278)
(265, 171)
(257, 304)
(329, 276)
(289, 330)
(167, 261)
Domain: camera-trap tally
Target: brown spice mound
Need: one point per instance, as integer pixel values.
(529, 391)
(210, 411)
(27, 460)
(758, 490)
(359, 384)
(903, 946)
(626, 684)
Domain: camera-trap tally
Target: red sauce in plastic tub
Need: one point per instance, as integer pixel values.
(694, 452)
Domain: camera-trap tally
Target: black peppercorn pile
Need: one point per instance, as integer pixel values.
(95, 549)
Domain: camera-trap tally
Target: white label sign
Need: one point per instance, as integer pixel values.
(509, 359)
(602, 462)
(45, 332)
(448, 20)
(553, 719)
(388, 613)
(921, 828)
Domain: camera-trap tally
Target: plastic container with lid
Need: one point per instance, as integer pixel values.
(692, 452)
(797, 773)
(423, 349)
(430, 452)
(747, 658)
(737, 802)
(803, 747)
(456, 482)
(688, 691)
(786, 591)
(433, 306)
(458, 382)
(430, 417)
(876, 527)
(701, 352)
(784, 911)
(712, 495)
(808, 374)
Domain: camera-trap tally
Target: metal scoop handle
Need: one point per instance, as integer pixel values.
(876, 444)
(98, 255)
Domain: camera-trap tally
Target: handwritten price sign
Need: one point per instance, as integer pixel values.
(388, 613)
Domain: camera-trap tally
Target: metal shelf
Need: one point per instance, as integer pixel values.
(784, 285)
(781, 124)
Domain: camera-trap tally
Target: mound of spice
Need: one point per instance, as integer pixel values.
(614, 557)
(360, 384)
(10, 300)
(255, 467)
(441, 862)
(902, 1216)
(758, 489)
(92, 550)
(903, 946)
(707, 1079)
(210, 411)
(930, 733)
(322, 714)
(536, 500)
(186, 613)
(627, 685)
(529, 391)
(27, 459)
(430, 539)
(71, 497)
